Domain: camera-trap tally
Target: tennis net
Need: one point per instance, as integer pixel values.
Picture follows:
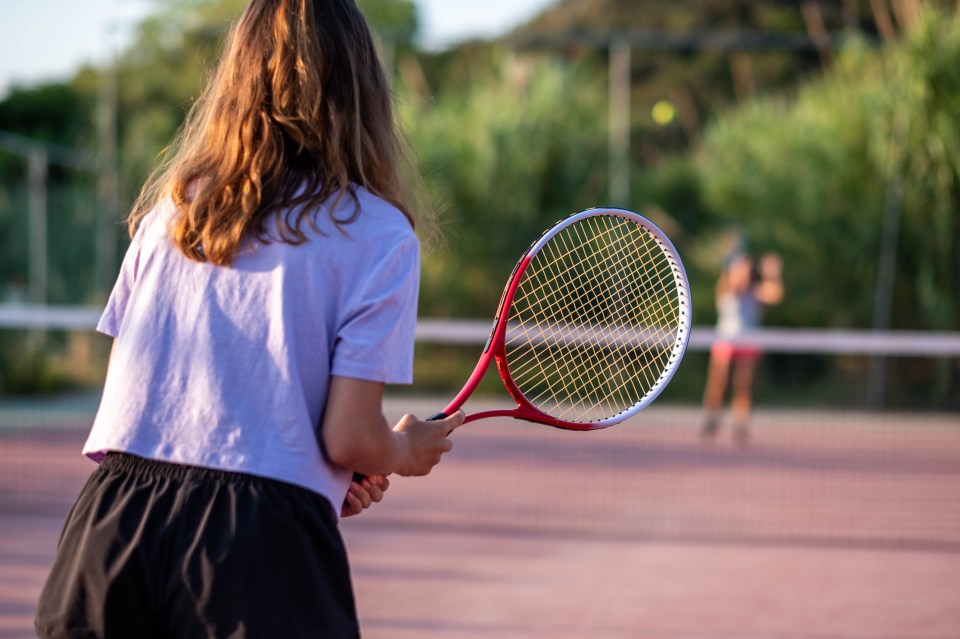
(825, 463)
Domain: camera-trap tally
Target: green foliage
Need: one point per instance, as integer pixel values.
(814, 176)
(26, 367)
(809, 178)
(50, 112)
(70, 245)
(397, 21)
(915, 133)
(794, 180)
(53, 112)
(700, 81)
(508, 158)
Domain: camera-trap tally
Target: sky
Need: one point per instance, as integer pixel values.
(86, 31)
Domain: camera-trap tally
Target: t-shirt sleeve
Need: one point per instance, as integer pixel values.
(375, 341)
(117, 303)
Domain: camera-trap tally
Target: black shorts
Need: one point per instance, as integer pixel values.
(153, 549)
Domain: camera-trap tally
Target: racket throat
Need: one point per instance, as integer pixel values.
(472, 382)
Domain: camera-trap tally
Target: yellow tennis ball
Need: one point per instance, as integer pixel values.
(663, 112)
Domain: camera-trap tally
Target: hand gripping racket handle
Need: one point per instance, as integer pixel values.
(359, 477)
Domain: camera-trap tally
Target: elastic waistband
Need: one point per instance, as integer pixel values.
(134, 464)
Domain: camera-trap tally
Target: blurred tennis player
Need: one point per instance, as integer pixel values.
(267, 296)
(742, 291)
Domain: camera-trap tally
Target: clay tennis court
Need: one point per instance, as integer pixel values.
(828, 525)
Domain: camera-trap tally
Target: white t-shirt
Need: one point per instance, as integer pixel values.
(738, 313)
(229, 367)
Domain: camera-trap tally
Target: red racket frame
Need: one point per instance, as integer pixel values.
(495, 348)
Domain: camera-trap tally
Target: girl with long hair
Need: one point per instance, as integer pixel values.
(268, 294)
(742, 291)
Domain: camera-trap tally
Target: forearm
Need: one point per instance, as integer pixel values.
(356, 435)
(372, 449)
(355, 432)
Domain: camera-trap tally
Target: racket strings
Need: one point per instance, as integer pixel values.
(594, 320)
(543, 301)
(577, 373)
(556, 288)
(590, 358)
(617, 382)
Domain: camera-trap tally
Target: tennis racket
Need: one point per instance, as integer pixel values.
(591, 326)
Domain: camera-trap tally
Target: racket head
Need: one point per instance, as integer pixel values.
(593, 322)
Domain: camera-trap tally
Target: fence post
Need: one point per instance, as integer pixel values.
(37, 224)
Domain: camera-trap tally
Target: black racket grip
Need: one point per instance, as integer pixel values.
(359, 477)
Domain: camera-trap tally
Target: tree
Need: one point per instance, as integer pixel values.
(857, 183)
(811, 177)
(508, 158)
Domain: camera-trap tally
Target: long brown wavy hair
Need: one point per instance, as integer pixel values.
(298, 112)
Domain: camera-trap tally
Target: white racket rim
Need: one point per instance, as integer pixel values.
(684, 311)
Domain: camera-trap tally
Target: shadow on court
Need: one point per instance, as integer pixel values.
(828, 526)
